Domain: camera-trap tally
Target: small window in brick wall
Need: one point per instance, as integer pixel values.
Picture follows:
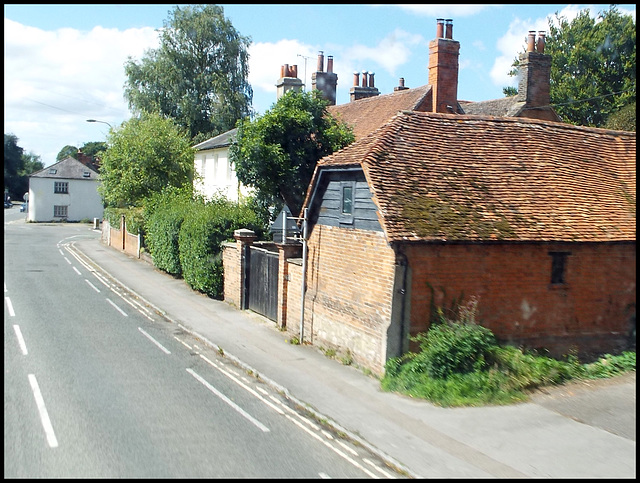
(347, 201)
(559, 267)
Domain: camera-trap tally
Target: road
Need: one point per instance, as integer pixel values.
(98, 385)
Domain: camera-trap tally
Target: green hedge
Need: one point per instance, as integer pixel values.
(163, 218)
(205, 227)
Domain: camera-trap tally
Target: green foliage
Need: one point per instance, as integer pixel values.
(451, 348)
(624, 119)
(609, 365)
(164, 214)
(593, 65)
(67, 152)
(18, 165)
(93, 148)
(205, 227)
(144, 156)
(461, 364)
(132, 215)
(277, 152)
(198, 75)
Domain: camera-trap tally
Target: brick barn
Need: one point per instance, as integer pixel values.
(535, 219)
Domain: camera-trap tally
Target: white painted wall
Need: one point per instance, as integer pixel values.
(83, 200)
(217, 175)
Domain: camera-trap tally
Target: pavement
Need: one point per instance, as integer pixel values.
(579, 430)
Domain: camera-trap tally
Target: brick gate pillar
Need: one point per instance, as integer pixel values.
(285, 252)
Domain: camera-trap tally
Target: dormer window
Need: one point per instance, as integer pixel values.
(53, 171)
(86, 174)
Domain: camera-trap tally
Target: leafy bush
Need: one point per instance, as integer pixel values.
(452, 348)
(204, 229)
(164, 215)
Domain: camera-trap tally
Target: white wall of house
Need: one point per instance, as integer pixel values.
(217, 175)
(82, 201)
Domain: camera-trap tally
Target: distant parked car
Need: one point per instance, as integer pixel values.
(23, 207)
(8, 204)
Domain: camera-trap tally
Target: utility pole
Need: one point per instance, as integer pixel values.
(305, 69)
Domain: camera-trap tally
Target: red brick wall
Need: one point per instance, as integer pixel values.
(517, 301)
(350, 275)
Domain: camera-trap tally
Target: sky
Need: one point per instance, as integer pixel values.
(64, 64)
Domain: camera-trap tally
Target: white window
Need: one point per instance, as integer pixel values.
(60, 211)
(61, 187)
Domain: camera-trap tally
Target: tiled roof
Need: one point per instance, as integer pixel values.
(463, 177)
(509, 106)
(219, 141)
(68, 168)
(367, 115)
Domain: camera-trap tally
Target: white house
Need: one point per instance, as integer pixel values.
(215, 172)
(66, 190)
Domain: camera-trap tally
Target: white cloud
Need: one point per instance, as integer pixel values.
(55, 80)
(510, 45)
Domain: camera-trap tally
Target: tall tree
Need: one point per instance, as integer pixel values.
(68, 151)
(277, 152)
(145, 155)
(13, 163)
(198, 75)
(593, 65)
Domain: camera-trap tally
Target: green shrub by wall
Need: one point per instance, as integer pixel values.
(204, 229)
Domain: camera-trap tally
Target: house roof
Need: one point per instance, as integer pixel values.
(368, 114)
(446, 177)
(68, 168)
(508, 106)
(219, 141)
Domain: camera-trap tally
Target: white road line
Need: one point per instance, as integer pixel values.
(92, 285)
(77, 271)
(118, 308)
(243, 385)
(387, 475)
(324, 476)
(332, 448)
(23, 346)
(68, 261)
(10, 307)
(163, 348)
(42, 409)
(349, 449)
(229, 402)
(182, 342)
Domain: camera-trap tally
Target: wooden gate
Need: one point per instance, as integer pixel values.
(262, 281)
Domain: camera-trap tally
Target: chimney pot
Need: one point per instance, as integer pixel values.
(371, 74)
(541, 42)
(440, 28)
(364, 78)
(321, 62)
(449, 28)
(531, 41)
(294, 71)
(286, 70)
(283, 73)
(401, 82)
(330, 64)
(356, 79)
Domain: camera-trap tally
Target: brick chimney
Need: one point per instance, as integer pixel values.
(367, 89)
(443, 68)
(288, 80)
(534, 73)
(400, 86)
(325, 82)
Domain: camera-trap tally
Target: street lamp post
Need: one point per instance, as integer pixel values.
(103, 122)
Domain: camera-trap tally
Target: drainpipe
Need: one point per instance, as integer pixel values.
(303, 288)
